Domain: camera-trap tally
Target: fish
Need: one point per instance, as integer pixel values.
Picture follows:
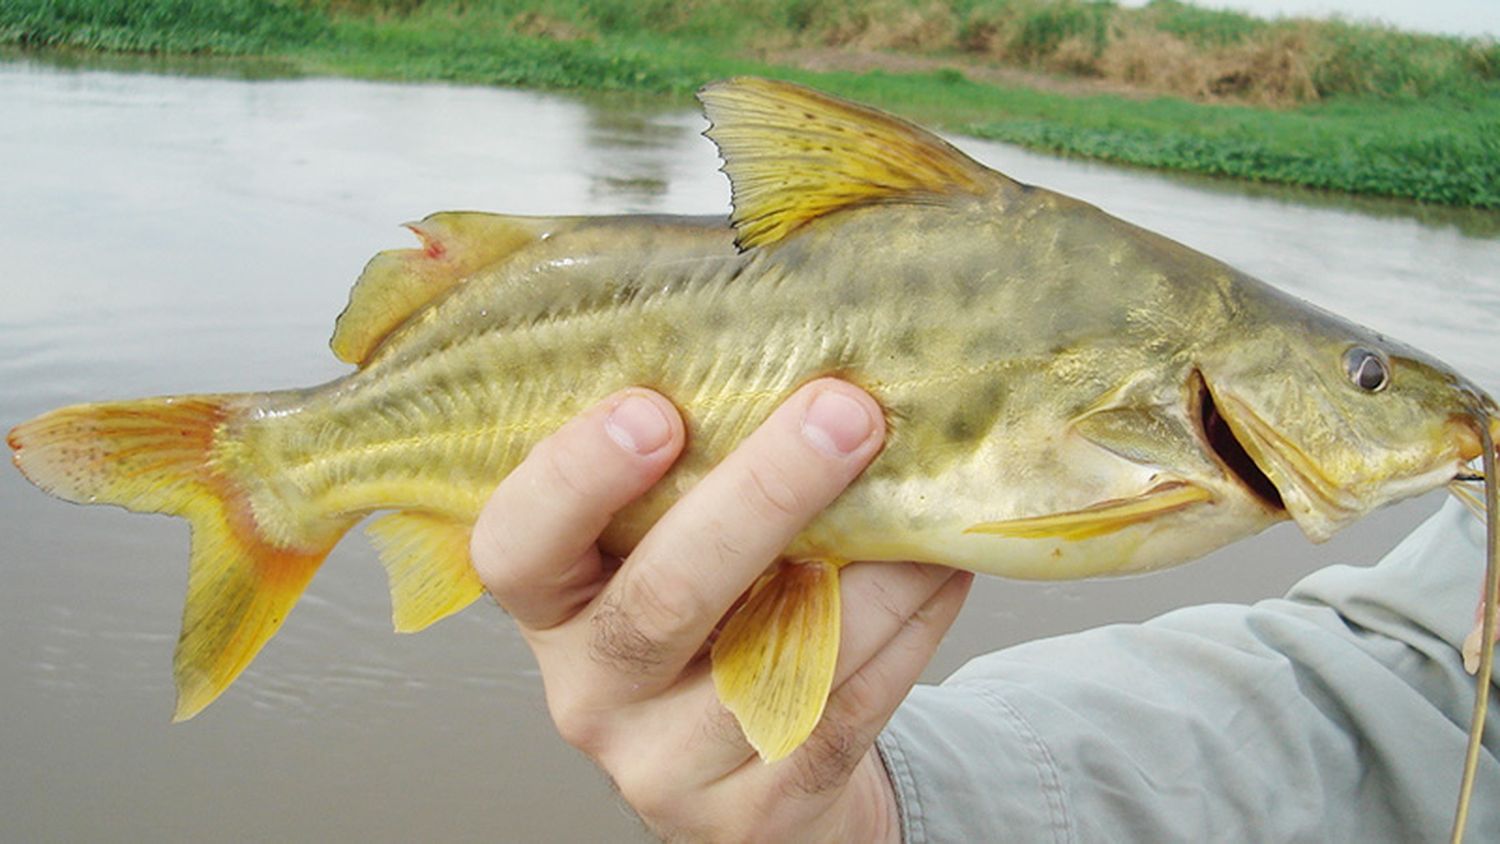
(1066, 395)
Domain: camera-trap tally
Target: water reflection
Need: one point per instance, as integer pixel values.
(636, 149)
(169, 234)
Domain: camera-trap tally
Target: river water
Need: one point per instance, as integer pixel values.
(167, 234)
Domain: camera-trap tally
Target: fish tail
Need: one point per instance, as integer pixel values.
(157, 456)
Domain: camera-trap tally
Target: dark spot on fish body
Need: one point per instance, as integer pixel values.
(915, 282)
(851, 293)
(787, 261)
(988, 344)
(715, 319)
(993, 395)
(960, 428)
(598, 353)
(907, 344)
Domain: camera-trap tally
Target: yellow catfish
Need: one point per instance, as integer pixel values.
(1067, 395)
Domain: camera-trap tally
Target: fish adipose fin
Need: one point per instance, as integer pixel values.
(1100, 519)
(793, 154)
(397, 283)
(773, 663)
(155, 456)
(426, 557)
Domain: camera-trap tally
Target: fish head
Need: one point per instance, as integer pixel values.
(1331, 420)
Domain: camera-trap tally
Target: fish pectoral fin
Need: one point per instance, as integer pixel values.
(426, 557)
(773, 663)
(793, 154)
(1102, 518)
(398, 283)
(1145, 434)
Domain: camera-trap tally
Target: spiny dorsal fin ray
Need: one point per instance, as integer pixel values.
(399, 282)
(793, 154)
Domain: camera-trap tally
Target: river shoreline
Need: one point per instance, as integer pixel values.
(1433, 142)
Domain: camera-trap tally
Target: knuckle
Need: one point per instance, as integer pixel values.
(492, 551)
(721, 728)
(667, 603)
(863, 693)
(578, 725)
(566, 471)
(767, 494)
(648, 797)
(884, 600)
(620, 639)
(826, 761)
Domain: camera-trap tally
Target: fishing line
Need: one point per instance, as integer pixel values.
(1487, 629)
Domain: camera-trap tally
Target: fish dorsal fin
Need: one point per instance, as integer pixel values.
(793, 154)
(399, 282)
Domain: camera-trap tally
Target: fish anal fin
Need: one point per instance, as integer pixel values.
(426, 557)
(1103, 518)
(773, 662)
(240, 591)
(793, 154)
(398, 283)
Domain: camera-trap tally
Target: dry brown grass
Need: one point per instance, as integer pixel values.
(892, 25)
(1278, 64)
(1272, 69)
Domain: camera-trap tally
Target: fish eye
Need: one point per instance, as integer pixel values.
(1366, 369)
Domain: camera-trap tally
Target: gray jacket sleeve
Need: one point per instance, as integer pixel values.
(1338, 713)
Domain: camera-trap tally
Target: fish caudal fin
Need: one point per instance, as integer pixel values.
(427, 560)
(773, 663)
(155, 456)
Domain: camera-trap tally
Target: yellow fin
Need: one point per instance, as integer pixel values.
(240, 590)
(427, 559)
(399, 282)
(793, 154)
(1103, 518)
(155, 456)
(773, 663)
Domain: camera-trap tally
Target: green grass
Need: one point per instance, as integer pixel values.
(1397, 115)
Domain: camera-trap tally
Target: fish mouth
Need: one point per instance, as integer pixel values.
(1233, 455)
(1319, 506)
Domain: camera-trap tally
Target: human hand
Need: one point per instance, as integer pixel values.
(622, 643)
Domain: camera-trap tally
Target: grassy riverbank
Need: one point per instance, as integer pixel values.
(1335, 106)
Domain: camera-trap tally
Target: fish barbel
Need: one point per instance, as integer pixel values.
(1066, 394)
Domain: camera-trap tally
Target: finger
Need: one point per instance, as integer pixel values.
(883, 598)
(859, 708)
(534, 543)
(706, 551)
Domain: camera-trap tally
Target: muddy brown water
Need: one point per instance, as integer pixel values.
(165, 234)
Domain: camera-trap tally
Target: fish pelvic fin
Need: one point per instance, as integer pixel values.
(793, 154)
(1103, 518)
(773, 663)
(397, 283)
(156, 456)
(426, 557)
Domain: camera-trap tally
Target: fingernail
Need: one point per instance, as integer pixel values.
(638, 425)
(836, 424)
